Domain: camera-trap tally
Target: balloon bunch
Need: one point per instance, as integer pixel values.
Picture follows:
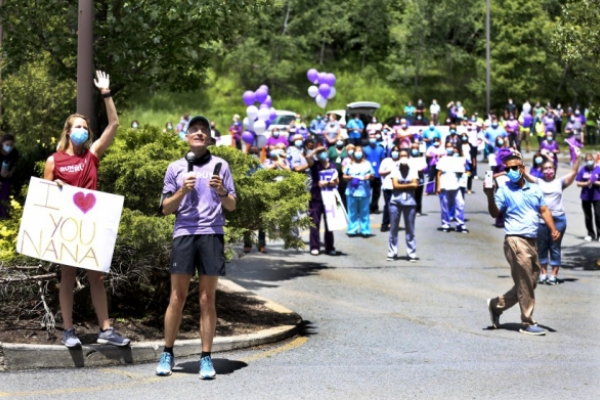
(258, 118)
(325, 90)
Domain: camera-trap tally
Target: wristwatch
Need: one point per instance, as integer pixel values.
(226, 192)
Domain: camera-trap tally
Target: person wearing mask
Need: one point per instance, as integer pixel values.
(388, 165)
(559, 114)
(550, 147)
(403, 135)
(198, 200)
(522, 204)
(254, 152)
(374, 154)
(452, 137)
(296, 155)
(374, 126)
(525, 121)
(588, 179)
(434, 112)
(526, 109)
(324, 177)
(419, 164)
(490, 136)
(549, 251)
(235, 131)
(575, 134)
(420, 109)
(419, 121)
(9, 156)
(358, 193)
(450, 170)
(511, 108)
(432, 156)
(536, 168)
(467, 150)
(409, 110)
(302, 129)
(332, 131)
(512, 130)
(317, 129)
(135, 124)
(337, 154)
(76, 163)
(431, 133)
(402, 202)
(277, 138)
(277, 159)
(461, 112)
(168, 127)
(355, 128)
(549, 123)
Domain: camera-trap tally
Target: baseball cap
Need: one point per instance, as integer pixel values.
(199, 118)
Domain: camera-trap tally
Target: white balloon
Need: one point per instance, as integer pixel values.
(313, 91)
(264, 114)
(252, 112)
(246, 123)
(321, 101)
(260, 126)
(332, 93)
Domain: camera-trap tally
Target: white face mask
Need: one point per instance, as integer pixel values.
(404, 161)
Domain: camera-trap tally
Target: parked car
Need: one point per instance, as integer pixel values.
(365, 109)
(282, 121)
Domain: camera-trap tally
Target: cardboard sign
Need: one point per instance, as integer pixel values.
(69, 225)
(335, 214)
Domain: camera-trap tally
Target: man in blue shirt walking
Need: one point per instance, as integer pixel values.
(355, 129)
(374, 154)
(317, 128)
(521, 203)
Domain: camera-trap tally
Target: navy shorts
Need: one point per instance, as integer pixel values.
(202, 253)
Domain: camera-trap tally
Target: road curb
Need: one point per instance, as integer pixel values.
(15, 357)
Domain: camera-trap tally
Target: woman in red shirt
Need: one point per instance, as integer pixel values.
(76, 163)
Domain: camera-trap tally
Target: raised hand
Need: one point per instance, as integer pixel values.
(102, 81)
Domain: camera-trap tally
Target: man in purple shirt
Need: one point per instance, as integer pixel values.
(197, 194)
(277, 138)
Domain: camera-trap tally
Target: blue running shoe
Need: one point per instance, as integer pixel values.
(165, 365)
(70, 338)
(207, 371)
(110, 336)
(533, 330)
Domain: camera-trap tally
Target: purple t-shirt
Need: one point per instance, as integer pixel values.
(272, 141)
(536, 172)
(549, 123)
(200, 211)
(319, 172)
(551, 146)
(593, 175)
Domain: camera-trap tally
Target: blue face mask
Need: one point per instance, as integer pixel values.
(339, 144)
(449, 151)
(589, 163)
(358, 156)
(514, 176)
(274, 153)
(6, 148)
(538, 160)
(436, 144)
(350, 152)
(372, 141)
(549, 138)
(465, 138)
(414, 152)
(404, 126)
(431, 127)
(275, 134)
(79, 136)
(456, 155)
(322, 156)
(395, 155)
(298, 143)
(495, 125)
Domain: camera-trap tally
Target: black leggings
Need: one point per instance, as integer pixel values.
(589, 208)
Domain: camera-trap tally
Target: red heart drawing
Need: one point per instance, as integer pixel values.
(85, 202)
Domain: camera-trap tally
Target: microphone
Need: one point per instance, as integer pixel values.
(190, 157)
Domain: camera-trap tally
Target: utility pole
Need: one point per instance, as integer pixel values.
(488, 83)
(85, 60)
(1, 51)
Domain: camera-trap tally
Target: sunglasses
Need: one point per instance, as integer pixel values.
(514, 168)
(194, 130)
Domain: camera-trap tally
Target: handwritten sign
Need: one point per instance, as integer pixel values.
(335, 214)
(69, 225)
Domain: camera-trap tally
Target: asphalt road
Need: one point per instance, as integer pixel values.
(377, 329)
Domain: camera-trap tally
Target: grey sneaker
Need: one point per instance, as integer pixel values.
(70, 338)
(533, 330)
(109, 336)
(552, 280)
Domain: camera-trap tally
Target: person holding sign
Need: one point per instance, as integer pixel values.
(451, 169)
(196, 188)
(324, 177)
(76, 163)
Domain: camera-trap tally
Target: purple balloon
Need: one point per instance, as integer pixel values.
(268, 101)
(273, 115)
(322, 75)
(248, 137)
(267, 123)
(249, 97)
(312, 74)
(264, 87)
(261, 95)
(264, 105)
(328, 79)
(324, 90)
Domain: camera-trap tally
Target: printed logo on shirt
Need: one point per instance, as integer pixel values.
(72, 168)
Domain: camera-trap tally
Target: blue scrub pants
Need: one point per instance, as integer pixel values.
(358, 215)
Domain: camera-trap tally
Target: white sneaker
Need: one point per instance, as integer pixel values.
(587, 238)
(314, 252)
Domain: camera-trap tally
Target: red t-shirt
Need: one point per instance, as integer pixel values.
(77, 170)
